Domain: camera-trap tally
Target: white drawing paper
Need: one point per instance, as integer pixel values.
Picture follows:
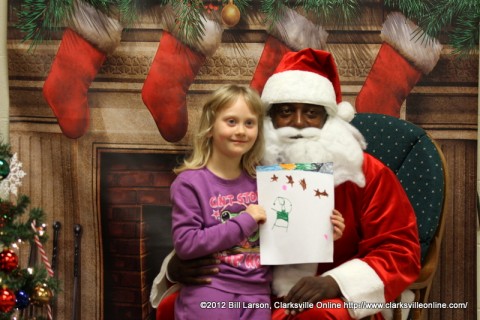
(298, 199)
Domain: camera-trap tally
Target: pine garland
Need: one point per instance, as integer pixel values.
(459, 19)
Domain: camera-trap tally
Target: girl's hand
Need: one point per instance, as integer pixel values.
(257, 212)
(338, 224)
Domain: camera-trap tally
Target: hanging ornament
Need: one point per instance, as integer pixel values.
(7, 300)
(8, 260)
(230, 14)
(4, 169)
(41, 295)
(22, 300)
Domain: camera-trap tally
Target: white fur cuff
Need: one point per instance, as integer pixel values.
(101, 31)
(359, 283)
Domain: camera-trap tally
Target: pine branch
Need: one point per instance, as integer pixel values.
(412, 9)
(459, 19)
(465, 37)
(273, 10)
(336, 11)
(242, 5)
(189, 25)
(38, 18)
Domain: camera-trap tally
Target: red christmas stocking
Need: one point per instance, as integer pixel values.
(399, 65)
(65, 89)
(85, 44)
(173, 70)
(272, 53)
(292, 32)
(164, 92)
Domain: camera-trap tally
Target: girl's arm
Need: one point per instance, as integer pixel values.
(191, 238)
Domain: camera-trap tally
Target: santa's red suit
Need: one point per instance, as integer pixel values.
(378, 256)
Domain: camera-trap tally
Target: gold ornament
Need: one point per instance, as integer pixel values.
(230, 14)
(41, 295)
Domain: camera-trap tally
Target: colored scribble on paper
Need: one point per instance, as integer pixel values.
(298, 199)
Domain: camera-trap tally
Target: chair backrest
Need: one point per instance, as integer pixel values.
(409, 152)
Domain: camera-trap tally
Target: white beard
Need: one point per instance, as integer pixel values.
(338, 142)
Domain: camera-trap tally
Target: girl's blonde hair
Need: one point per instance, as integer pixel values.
(220, 99)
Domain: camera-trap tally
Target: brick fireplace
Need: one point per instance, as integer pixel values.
(136, 222)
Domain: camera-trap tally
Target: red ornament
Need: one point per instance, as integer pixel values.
(7, 300)
(8, 260)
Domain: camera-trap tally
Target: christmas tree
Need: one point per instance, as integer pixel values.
(26, 289)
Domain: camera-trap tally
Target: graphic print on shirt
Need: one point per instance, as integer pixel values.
(226, 207)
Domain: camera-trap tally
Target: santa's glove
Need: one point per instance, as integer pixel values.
(292, 32)
(91, 35)
(173, 70)
(405, 55)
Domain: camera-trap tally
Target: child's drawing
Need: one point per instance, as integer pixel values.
(282, 207)
(298, 198)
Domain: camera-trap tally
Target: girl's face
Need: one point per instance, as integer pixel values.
(234, 131)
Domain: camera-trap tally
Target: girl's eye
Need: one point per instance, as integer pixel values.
(231, 121)
(250, 123)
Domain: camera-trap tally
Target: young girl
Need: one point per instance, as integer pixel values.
(214, 210)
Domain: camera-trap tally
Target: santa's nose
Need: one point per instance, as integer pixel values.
(299, 120)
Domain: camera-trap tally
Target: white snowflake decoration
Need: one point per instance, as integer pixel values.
(10, 184)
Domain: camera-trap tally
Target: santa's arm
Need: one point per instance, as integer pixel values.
(388, 259)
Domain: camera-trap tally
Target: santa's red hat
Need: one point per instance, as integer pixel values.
(308, 76)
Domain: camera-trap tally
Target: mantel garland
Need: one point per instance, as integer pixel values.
(458, 19)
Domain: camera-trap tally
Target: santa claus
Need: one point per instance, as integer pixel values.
(379, 253)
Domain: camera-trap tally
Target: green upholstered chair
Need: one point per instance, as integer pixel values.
(420, 167)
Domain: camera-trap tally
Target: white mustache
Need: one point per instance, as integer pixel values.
(294, 133)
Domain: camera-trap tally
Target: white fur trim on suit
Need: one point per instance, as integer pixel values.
(411, 42)
(300, 86)
(98, 29)
(297, 32)
(346, 111)
(358, 283)
(160, 289)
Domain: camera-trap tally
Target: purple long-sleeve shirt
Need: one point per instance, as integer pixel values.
(208, 217)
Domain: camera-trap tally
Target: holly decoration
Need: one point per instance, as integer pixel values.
(460, 19)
